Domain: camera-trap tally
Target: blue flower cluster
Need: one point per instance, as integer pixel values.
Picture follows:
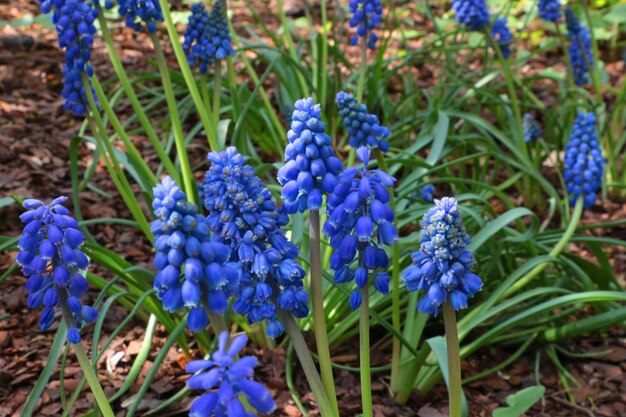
(580, 49)
(583, 162)
(358, 211)
(363, 128)
(471, 13)
(532, 130)
(51, 259)
(243, 215)
(427, 192)
(502, 36)
(74, 23)
(550, 10)
(182, 244)
(207, 38)
(442, 266)
(311, 166)
(234, 378)
(141, 15)
(366, 16)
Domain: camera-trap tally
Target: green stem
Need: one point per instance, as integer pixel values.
(324, 64)
(232, 86)
(217, 94)
(306, 361)
(567, 235)
(364, 353)
(454, 360)
(218, 323)
(319, 318)
(179, 138)
(361, 83)
(204, 90)
(568, 58)
(205, 118)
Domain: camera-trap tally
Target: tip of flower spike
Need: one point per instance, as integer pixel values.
(363, 153)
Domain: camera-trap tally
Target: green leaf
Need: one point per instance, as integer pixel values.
(438, 346)
(617, 14)
(520, 402)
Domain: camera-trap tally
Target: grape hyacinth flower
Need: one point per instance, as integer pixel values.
(358, 210)
(580, 49)
(363, 128)
(427, 193)
(550, 10)
(141, 15)
(532, 130)
(182, 243)
(502, 36)
(74, 23)
(311, 166)
(227, 378)
(366, 16)
(219, 34)
(51, 259)
(583, 162)
(197, 44)
(442, 266)
(471, 13)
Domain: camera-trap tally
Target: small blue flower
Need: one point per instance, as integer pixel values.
(442, 266)
(471, 13)
(141, 15)
(218, 32)
(363, 128)
(51, 259)
(550, 10)
(360, 222)
(427, 193)
(311, 166)
(583, 162)
(580, 49)
(366, 16)
(532, 130)
(502, 36)
(227, 379)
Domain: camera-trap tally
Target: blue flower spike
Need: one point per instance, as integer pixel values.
(359, 224)
(366, 16)
(442, 266)
(141, 15)
(580, 49)
(471, 13)
(51, 259)
(363, 128)
(227, 379)
(502, 36)
(583, 162)
(532, 131)
(426, 192)
(550, 10)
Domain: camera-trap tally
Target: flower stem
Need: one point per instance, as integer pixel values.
(217, 94)
(204, 90)
(319, 318)
(364, 353)
(361, 83)
(568, 58)
(232, 86)
(454, 360)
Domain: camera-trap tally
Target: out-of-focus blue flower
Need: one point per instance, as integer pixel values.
(219, 33)
(360, 222)
(550, 10)
(502, 36)
(471, 13)
(74, 23)
(227, 379)
(51, 259)
(141, 15)
(532, 130)
(442, 266)
(366, 16)
(427, 193)
(182, 243)
(363, 128)
(583, 162)
(580, 49)
(311, 166)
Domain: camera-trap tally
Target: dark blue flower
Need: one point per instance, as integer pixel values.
(550, 10)
(366, 16)
(193, 271)
(583, 162)
(442, 266)
(311, 167)
(502, 36)
(580, 49)
(219, 34)
(363, 128)
(141, 15)
(227, 379)
(360, 222)
(426, 193)
(471, 13)
(51, 259)
(532, 130)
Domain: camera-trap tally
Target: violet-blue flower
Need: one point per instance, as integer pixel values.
(471, 13)
(311, 167)
(51, 259)
(580, 49)
(141, 15)
(363, 128)
(502, 36)
(366, 16)
(583, 162)
(426, 193)
(550, 10)
(227, 379)
(532, 130)
(442, 266)
(359, 223)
